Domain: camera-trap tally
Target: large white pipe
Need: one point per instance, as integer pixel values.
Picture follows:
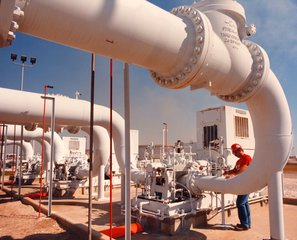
(273, 130)
(27, 108)
(108, 28)
(248, 79)
(201, 48)
(30, 135)
(37, 135)
(211, 52)
(27, 148)
(101, 146)
(101, 155)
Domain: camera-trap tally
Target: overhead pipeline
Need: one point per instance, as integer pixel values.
(27, 108)
(59, 150)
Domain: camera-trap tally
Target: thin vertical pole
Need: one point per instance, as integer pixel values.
(110, 150)
(22, 78)
(42, 151)
(276, 211)
(223, 208)
(127, 153)
(2, 157)
(50, 190)
(91, 147)
(22, 132)
(21, 163)
(13, 160)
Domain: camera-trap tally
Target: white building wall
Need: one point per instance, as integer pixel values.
(224, 118)
(74, 145)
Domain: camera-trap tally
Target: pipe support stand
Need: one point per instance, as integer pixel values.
(276, 212)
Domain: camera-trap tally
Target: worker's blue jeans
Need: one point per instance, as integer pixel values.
(243, 207)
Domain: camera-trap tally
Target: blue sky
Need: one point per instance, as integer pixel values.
(68, 70)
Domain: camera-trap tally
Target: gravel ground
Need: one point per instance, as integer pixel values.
(19, 221)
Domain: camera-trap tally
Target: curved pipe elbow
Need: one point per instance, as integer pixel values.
(119, 144)
(59, 149)
(27, 148)
(271, 118)
(236, 71)
(101, 147)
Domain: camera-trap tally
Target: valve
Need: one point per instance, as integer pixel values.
(250, 30)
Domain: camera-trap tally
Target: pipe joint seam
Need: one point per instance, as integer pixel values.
(31, 126)
(184, 76)
(190, 183)
(8, 21)
(73, 129)
(255, 80)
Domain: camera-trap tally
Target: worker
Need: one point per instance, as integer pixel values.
(242, 203)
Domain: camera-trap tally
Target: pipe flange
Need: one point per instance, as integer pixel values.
(184, 76)
(10, 16)
(254, 81)
(73, 129)
(191, 183)
(31, 126)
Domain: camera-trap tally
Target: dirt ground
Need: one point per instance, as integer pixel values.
(19, 221)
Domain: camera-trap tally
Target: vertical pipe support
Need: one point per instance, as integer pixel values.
(110, 145)
(276, 212)
(127, 153)
(101, 182)
(50, 191)
(165, 140)
(3, 157)
(21, 163)
(223, 208)
(22, 77)
(123, 191)
(91, 147)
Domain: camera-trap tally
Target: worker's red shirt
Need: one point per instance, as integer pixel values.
(242, 162)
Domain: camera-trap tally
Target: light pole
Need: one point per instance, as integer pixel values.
(14, 56)
(165, 139)
(77, 94)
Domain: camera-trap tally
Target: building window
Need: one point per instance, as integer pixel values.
(210, 133)
(73, 145)
(241, 127)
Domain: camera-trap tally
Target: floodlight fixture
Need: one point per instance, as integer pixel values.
(23, 58)
(33, 60)
(13, 56)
